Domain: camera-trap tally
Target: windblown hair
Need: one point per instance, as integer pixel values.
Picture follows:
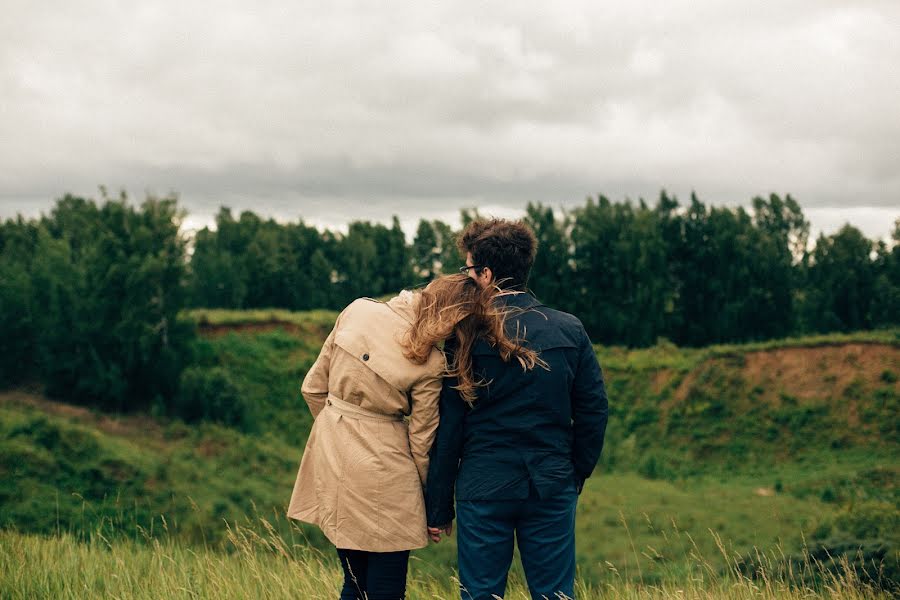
(454, 305)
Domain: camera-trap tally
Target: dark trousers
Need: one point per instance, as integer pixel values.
(373, 575)
(545, 531)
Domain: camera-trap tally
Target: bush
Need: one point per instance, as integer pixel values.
(654, 467)
(209, 394)
(828, 495)
(869, 520)
(867, 537)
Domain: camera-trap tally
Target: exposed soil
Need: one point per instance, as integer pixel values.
(124, 425)
(211, 447)
(809, 373)
(822, 372)
(831, 373)
(661, 379)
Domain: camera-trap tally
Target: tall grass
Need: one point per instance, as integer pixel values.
(259, 562)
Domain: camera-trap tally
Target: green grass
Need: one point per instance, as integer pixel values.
(61, 475)
(73, 478)
(730, 409)
(704, 450)
(260, 564)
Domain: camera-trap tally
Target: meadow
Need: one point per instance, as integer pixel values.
(269, 566)
(748, 471)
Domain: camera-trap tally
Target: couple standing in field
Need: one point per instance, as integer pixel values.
(510, 416)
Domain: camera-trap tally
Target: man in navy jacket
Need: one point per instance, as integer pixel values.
(518, 457)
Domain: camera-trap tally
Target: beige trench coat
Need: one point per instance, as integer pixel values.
(376, 414)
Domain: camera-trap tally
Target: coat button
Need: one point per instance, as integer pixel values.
(366, 356)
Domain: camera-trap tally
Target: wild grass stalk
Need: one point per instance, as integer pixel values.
(258, 561)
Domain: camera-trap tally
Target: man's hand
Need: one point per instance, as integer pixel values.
(435, 532)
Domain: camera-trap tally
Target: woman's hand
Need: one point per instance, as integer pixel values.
(435, 532)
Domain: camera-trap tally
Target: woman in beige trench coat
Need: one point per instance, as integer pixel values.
(373, 392)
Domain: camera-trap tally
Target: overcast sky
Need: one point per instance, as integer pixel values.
(333, 111)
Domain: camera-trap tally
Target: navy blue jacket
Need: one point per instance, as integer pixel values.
(540, 428)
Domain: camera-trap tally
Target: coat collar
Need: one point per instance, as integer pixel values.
(523, 300)
(404, 304)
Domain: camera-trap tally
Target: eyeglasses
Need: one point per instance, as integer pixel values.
(465, 270)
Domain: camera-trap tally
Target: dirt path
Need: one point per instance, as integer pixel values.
(129, 426)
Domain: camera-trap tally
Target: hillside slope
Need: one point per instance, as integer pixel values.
(744, 408)
(757, 443)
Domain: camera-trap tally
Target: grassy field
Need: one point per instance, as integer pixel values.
(186, 482)
(780, 448)
(262, 564)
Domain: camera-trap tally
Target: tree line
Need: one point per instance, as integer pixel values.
(694, 274)
(90, 293)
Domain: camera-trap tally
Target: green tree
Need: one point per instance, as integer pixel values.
(886, 293)
(426, 252)
(109, 282)
(218, 277)
(448, 254)
(551, 275)
(778, 245)
(840, 282)
(17, 344)
(619, 271)
(359, 273)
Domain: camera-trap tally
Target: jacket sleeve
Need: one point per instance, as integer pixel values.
(423, 420)
(445, 455)
(590, 411)
(315, 384)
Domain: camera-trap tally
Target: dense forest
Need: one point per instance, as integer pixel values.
(90, 294)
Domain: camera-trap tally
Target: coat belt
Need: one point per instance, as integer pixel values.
(352, 410)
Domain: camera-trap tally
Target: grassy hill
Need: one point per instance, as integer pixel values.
(728, 447)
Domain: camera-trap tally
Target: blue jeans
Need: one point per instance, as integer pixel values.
(545, 531)
(373, 575)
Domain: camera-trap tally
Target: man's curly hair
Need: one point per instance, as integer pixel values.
(507, 247)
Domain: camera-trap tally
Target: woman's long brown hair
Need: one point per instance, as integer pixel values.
(454, 305)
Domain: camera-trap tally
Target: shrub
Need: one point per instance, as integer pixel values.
(653, 467)
(209, 394)
(828, 495)
(867, 538)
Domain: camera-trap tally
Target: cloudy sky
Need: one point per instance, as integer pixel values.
(333, 111)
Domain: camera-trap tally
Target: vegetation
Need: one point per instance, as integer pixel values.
(700, 440)
(90, 294)
(694, 274)
(261, 564)
(190, 363)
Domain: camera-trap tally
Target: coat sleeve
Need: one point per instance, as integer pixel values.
(423, 420)
(445, 454)
(590, 410)
(315, 384)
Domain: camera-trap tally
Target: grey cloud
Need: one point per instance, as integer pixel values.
(402, 104)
